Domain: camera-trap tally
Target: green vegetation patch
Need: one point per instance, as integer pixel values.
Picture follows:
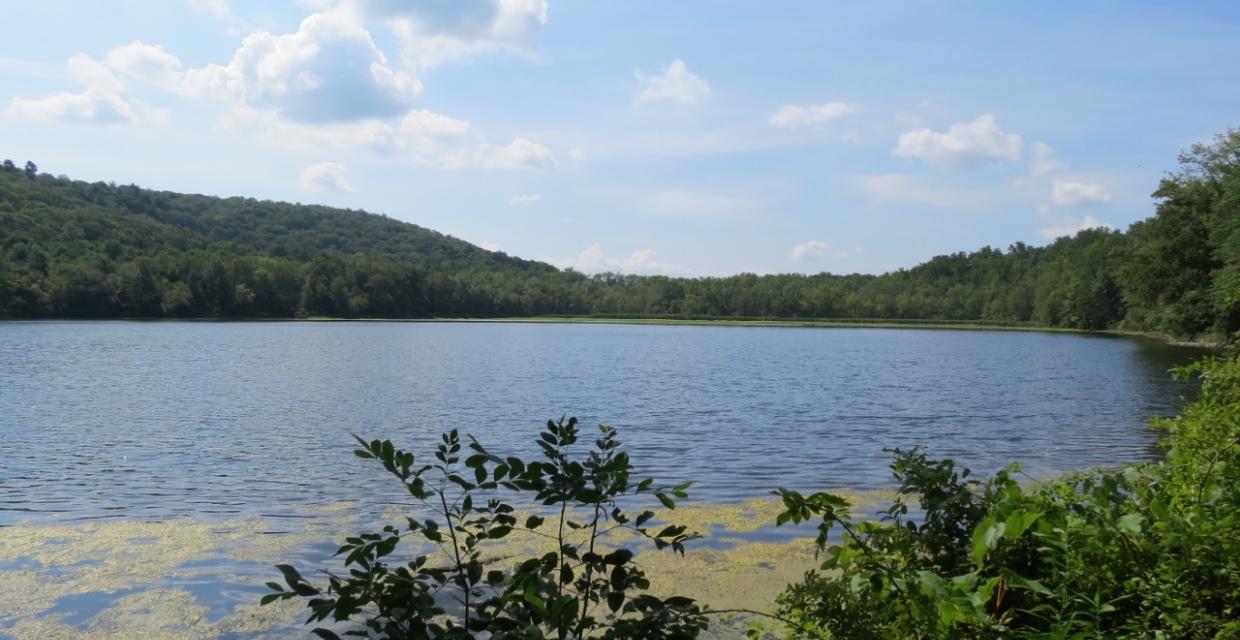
(78, 250)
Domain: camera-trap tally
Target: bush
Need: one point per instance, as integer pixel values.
(1148, 551)
(583, 587)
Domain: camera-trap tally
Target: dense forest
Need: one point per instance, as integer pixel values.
(72, 249)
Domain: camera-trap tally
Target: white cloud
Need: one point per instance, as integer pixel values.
(1072, 192)
(519, 154)
(490, 246)
(792, 116)
(100, 102)
(433, 33)
(329, 70)
(815, 249)
(812, 249)
(428, 124)
(594, 260)
(325, 85)
(904, 189)
(964, 142)
(89, 107)
(325, 176)
(675, 84)
(215, 8)
(1088, 222)
(427, 138)
(577, 154)
(524, 199)
(147, 63)
(1044, 160)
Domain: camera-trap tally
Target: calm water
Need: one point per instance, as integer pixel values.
(223, 420)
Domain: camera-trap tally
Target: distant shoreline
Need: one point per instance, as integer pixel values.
(1206, 342)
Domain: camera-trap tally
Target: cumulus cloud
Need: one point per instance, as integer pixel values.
(520, 154)
(1044, 160)
(1088, 222)
(433, 33)
(325, 85)
(593, 260)
(427, 138)
(963, 143)
(812, 249)
(524, 199)
(325, 176)
(674, 84)
(149, 64)
(793, 116)
(100, 101)
(428, 124)
(1072, 192)
(329, 70)
(815, 249)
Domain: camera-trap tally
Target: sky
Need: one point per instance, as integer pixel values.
(688, 139)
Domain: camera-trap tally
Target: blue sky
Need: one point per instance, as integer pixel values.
(646, 137)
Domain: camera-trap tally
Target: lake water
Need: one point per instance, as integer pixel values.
(157, 420)
(152, 473)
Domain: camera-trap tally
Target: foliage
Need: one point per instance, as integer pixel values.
(1148, 551)
(76, 249)
(580, 588)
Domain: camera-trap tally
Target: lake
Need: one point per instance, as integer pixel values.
(152, 472)
(164, 419)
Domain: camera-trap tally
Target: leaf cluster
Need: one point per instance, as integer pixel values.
(452, 587)
(1147, 551)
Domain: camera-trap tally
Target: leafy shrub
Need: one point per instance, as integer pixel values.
(1148, 551)
(581, 588)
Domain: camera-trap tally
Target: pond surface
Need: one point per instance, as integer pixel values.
(152, 473)
(160, 420)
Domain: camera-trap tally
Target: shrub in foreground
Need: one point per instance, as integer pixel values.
(1147, 551)
(454, 588)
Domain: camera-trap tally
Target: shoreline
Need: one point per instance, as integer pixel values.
(1210, 342)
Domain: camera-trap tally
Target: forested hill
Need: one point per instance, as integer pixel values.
(94, 250)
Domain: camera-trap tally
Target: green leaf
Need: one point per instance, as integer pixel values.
(985, 536)
(532, 597)
(1019, 522)
(1130, 523)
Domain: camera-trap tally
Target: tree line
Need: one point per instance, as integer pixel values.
(74, 249)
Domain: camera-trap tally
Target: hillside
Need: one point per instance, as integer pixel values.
(77, 249)
(94, 250)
